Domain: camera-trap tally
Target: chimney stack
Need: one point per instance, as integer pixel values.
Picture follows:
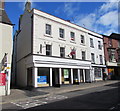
(28, 5)
(2, 4)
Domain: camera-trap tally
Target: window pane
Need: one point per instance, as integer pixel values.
(48, 29)
(72, 36)
(82, 39)
(62, 52)
(61, 32)
(91, 42)
(48, 50)
(83, 55)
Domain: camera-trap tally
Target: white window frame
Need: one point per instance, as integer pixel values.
(48, 29)
(61, 33)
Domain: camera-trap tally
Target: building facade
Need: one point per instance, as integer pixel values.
(6, 28)
(112, 55)
(51, 51)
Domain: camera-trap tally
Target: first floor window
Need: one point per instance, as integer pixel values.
(62, 52)
(83, 55)
(48, 50)
(92, 58)
(101, 59)
(111, 53)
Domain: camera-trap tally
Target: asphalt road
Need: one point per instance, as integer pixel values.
(105, 97)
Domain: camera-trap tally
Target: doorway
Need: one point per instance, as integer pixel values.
(55, 76)
(29, 77)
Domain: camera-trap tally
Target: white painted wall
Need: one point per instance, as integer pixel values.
(6, 47)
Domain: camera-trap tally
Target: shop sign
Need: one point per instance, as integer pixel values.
(42, 79)
(2, 79)
(66, 73)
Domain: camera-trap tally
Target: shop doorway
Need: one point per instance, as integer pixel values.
(29, 77)
(55, 76)
(81, 75)
(75, 76)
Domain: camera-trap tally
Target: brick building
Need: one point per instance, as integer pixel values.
(112, 55)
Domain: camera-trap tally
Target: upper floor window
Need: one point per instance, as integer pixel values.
(62, 52)
(48, 50)
(61, 33)
(48, 29)
(99, 45)
(101, 59)
(73, 53)
(110, 42)
(72, 35)
(83, 55)
(111, 53)
(91, 42)
(119, 43)
(82, 39)
(92, 58)
(118, 55)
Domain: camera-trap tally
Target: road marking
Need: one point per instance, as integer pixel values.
(112, 108)
(38, 101)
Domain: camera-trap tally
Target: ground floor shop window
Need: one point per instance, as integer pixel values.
(43, 78)
(98, 73)
(65, 76)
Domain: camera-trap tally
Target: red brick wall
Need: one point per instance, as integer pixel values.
(106, 45)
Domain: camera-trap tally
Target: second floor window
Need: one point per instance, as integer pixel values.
(101, 59)
(72, 35)
(83, 55)
(61, 33)
(62, 52)
(82, 39)
(99, 45)
(92, 58)
(48, 50)
(48, 29)
(91, 42)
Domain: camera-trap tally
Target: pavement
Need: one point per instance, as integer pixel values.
(24, 94)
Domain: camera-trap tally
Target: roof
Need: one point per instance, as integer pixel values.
(113, 36)
(4, 17)
(67, 21)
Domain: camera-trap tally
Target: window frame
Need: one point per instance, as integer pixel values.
(72, 36)
(49, 50)
(61, 33)
(84, 55)
(82, 38)
(91, 43)
(99, 45)
(62, 52)
(48, 29)
(92, 57)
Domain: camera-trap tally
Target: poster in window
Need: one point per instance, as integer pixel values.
(66, 73)
(42, 79)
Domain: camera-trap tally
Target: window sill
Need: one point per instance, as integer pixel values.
(82, 44)
(61, 39)
(73, 41)
(92, 46)
(46, 35)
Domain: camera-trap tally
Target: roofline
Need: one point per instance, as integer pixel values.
(66, 21)
(7, 23)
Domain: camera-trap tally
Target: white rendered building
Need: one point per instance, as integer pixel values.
(52, 51)
(6, 29)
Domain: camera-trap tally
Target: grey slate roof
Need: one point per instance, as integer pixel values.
(4, 17)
